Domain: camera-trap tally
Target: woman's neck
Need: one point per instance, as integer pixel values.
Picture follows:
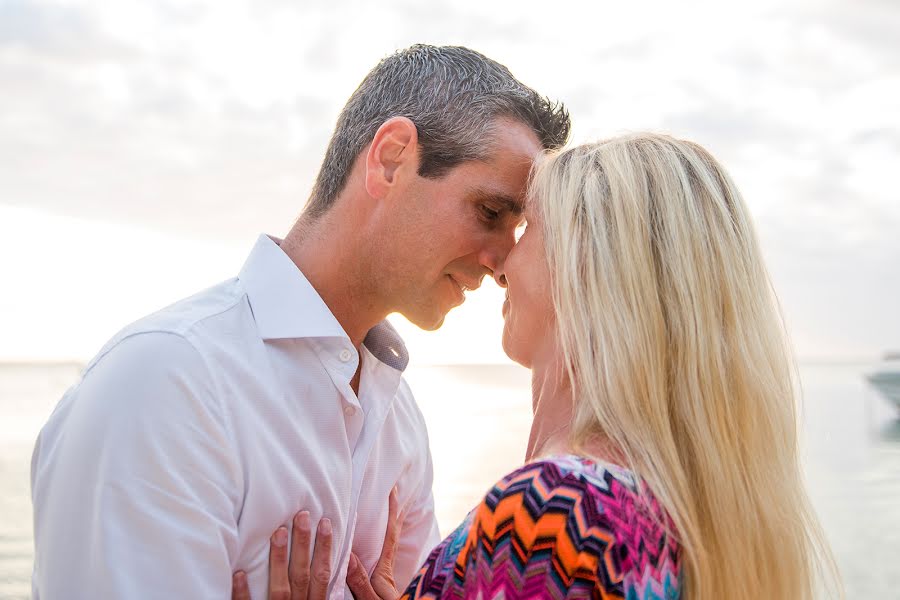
(553, 406)
(551, 402)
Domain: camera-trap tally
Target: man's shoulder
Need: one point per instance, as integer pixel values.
(190, 315)
(219, 311)
(153, 366)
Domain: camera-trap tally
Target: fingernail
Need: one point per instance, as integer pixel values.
(353, 561)
(302, 520)
(280, 537)
(239, 577)
(325, 526)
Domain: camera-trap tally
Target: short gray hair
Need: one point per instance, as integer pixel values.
(453, 95)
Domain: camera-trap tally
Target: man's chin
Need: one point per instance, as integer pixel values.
(426, 320)
(429, 324)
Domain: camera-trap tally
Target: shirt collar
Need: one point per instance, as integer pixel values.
(285, 305)
(386, 345)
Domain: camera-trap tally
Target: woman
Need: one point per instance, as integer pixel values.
(663, 458)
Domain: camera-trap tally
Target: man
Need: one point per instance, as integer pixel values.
(199, 430)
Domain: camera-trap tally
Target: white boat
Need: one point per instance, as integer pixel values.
(887, 378)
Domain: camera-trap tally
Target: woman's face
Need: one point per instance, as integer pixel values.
(529, 330)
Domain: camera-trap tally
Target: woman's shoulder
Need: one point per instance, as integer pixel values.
(570, 469)
(557, 526)
(604, 502)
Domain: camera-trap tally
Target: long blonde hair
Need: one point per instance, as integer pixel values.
(677, 354)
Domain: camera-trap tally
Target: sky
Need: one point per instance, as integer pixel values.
(144, 145)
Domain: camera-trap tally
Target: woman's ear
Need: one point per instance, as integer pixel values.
(393, 151)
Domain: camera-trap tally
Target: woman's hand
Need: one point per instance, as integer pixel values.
(382, 585)
(305, 578)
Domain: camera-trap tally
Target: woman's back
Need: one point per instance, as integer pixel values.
(561, 527)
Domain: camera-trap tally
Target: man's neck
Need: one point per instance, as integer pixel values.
(328, 253)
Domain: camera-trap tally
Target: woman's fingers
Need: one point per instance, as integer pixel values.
(298, 570)
(239, 588)
(391, 535)
(383, 576)
(320, 568)
(301, 577)
(358, 580)
(279, 585)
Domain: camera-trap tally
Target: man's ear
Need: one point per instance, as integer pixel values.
(393, 150)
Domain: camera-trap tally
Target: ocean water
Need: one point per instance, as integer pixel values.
(478, 419)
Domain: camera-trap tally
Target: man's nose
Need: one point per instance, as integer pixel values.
(493, 256)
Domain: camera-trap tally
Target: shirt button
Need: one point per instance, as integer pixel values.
(349, 411)
(345, 355)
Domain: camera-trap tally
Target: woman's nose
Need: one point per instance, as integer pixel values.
(500, 278)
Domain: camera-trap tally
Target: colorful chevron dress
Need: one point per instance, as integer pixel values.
(562, 527)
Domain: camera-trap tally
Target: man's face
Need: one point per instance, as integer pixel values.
(454, 230)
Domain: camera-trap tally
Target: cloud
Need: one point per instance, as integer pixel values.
(119, 132)
(209, 120)
(51, 30)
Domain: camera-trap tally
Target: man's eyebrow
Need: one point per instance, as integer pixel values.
(513, 205)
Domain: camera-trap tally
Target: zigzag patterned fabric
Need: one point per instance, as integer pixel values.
(562, 527)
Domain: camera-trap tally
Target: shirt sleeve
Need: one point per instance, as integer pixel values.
(135, 483)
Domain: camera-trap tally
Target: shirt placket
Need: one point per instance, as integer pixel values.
(341, 362)
(378, 386)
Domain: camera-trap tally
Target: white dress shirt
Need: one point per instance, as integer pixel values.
(199, 430)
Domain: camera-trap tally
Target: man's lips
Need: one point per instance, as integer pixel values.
(460, 290)
(466, 284)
